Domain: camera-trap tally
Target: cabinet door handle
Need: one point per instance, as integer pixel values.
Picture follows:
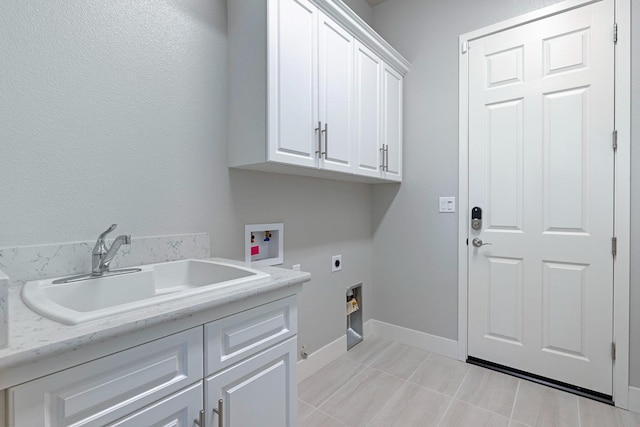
(386, 158)
(218, 411)
(319, 130)
(382, 157)
(326, 140)
(200, 421)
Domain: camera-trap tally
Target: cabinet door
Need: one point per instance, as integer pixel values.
(107, 389)
(258, 392)
(392, 123)
(293, 83)
(368, 101)
(179, 410)
(336, 94)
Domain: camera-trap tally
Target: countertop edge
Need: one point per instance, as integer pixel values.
(50, 338)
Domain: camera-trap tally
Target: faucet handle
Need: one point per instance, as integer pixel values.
(107, 231)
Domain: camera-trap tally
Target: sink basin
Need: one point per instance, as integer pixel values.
(85, 300)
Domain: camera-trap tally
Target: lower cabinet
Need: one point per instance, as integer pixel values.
(249, 368)
(260, 391)
(179, 409)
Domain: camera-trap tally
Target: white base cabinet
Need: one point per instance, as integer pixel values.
(239, 393)
(249, 363)
(304, 102)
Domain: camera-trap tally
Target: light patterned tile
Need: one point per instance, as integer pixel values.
(517, 424)
(319, 419)
(321, 385)
(412, 405)
(304, 409)
(362, 398)
(461, 414)
(596, 414)
(628, 419)
(441, 374)
(537, 405)
(400, 360)
(489, 390)
(367, 351)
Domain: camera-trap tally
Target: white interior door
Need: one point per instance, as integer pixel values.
(541, 168)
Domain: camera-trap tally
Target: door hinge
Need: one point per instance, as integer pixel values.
(614, 246)
(615, 140)
(613, 351)
(465, 46)
(615, 32)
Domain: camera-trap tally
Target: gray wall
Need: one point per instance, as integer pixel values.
(362, 8)
(115, 111)
(414, 246)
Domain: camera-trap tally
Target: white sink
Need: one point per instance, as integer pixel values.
(85, 300)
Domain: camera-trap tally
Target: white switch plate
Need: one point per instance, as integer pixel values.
(447, 204)
(296, 267)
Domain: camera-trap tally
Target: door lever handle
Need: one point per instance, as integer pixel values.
(478, 242)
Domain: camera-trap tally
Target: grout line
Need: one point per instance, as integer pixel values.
(453, 399)
(515, 399)
(345, 384)
(330, 416)
(388, 400)
(579, 417)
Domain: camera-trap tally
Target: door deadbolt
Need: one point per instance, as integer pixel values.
(476, 218)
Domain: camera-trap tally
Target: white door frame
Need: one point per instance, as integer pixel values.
(622, 206)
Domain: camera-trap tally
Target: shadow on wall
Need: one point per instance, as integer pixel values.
(383, 198)
(212, 14)
(315, 212)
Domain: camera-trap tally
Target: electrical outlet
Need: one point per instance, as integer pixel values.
(296, 267)
(304, 352)
(336, 263)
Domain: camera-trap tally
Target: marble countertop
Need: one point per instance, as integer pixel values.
(33, 337)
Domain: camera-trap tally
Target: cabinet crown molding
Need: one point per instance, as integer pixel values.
(343, 14)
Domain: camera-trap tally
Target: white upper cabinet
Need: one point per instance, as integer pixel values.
(368, 102)
(392, 123)
(336, 95)
(293, 84)
(308, 91)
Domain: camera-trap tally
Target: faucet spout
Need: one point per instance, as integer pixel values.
(102, 256)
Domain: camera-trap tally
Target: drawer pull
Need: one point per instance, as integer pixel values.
(200, 421)
(219, 412)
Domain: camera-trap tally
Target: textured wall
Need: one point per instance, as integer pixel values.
(115, 111)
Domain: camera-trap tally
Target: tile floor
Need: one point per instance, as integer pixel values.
(383, 383)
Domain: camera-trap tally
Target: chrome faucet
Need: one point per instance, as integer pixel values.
(101, 256)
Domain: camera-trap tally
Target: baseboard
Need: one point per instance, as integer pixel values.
(634, 399)
(321, 358)
(422, 340)
(330, 352)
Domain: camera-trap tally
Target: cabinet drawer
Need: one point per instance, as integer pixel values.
(179, 409)
(104, 390)
(241, 335)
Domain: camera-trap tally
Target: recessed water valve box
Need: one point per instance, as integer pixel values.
(263, 244)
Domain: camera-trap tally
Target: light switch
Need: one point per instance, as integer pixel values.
(447, 204)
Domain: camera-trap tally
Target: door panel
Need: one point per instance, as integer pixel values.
(336, 94)
(392, 120)
(541, 167)
(297, 83)
(368, 103)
